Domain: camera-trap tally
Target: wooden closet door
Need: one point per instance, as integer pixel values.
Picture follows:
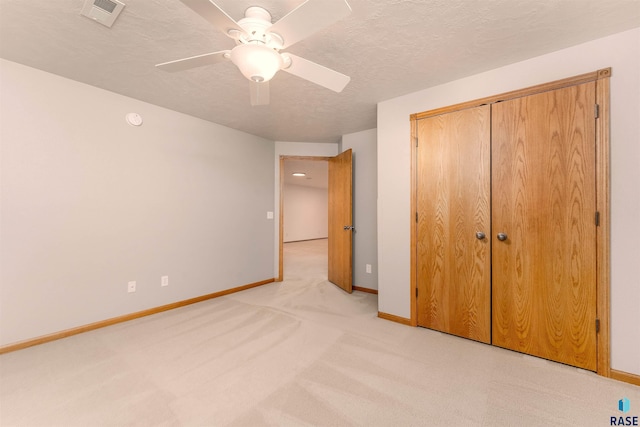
(453, 184)
(543, 200)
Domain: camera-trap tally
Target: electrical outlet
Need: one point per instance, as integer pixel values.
(131, 287)
(164, 281)
(269, 215)
(368, 268)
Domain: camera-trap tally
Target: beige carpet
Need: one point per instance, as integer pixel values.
(296, 353)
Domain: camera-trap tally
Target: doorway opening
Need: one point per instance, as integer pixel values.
(303, 213)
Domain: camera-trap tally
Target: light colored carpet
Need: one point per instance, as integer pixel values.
(296, 353)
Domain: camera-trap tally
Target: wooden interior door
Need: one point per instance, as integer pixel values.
(543, 201)
(453, 223)
(340, 268)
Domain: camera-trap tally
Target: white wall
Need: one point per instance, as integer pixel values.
(306, 213)
(282, 148)
(622, 53)
(89, 203)
(365, 194)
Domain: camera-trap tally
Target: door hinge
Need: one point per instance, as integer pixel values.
(597, 325)
(596, 111)
(597, 219)
(416, 292)
(416, 142)
(416, 216)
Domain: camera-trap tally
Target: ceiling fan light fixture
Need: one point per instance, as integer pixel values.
(256, 61)
(259, 42)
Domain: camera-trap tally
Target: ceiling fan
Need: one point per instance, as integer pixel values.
(259, 41)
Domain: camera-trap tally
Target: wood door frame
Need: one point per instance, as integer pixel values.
(281, 206)
(602, 166)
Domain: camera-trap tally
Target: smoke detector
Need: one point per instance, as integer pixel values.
(104, 12)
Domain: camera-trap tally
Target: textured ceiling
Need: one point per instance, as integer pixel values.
(388, 47)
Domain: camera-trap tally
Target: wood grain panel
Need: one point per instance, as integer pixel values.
(543, 189)
(340, 268)
(453, 203)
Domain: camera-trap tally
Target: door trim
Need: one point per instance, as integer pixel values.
(544, 87)
(603, 233)
(281, 204)
(603, 243)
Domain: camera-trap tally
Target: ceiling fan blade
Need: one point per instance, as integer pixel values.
(259, 93)
(195, 61)
(214, 15)
(316, 73)
(308, 18)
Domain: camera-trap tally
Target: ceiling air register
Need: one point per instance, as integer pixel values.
(103, 11)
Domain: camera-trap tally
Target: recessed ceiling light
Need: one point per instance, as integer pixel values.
(299, 174)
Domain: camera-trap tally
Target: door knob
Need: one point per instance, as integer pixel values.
(480, 235)
(502, 237)
(349, 227)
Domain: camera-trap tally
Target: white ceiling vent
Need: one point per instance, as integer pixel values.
(102, 11)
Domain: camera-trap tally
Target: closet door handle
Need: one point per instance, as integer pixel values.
(480, 235)
(502, 237)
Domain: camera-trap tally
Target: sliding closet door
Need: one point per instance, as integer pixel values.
(453, 223)
(544, 232)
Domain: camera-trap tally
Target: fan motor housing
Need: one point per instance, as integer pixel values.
(256, 23)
